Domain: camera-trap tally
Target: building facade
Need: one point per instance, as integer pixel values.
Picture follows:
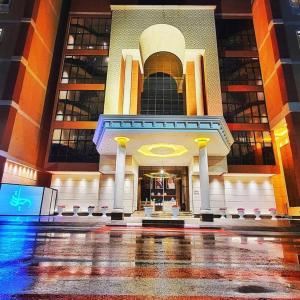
(195, 103)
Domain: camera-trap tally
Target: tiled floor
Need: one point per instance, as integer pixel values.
(65, 262)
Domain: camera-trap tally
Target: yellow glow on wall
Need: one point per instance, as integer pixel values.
(281, 131)
(267, 139)
(162, 150)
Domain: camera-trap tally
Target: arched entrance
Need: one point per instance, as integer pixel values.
(163, 92)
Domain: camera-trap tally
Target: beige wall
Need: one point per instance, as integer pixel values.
(77, 189)
(106, 192)
(18, 174)
(216, 193)
(248, 192)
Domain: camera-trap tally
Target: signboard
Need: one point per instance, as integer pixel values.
(20, 200)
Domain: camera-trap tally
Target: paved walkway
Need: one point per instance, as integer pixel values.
(104, 262)
(190, 222)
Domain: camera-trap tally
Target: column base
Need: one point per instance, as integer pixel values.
(206, 215)
(117, 214)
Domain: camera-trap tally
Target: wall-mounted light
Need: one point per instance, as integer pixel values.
(122, 140)
(202, 141)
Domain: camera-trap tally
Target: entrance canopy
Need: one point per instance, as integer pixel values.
(163, 140)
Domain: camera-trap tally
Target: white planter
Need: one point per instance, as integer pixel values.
(104, 211)
(257, 214)
(91, 210)
(273, 214)
(148, 211)
(241, 214)
(75, 211)
(60, 210)
(175, 212)
(223, 213)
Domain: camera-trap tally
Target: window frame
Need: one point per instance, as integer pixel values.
(235, 108)
(295, 6)
(71, 68)
(4, 7)
(251, 141)
(65, 139)
(102, 38)
(74, 97)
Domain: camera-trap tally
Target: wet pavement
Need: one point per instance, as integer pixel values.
(102, 262)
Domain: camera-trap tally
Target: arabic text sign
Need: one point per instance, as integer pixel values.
(20, 200)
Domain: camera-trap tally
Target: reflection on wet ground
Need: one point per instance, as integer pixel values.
(56, 262)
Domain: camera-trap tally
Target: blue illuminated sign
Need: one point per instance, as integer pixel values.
(20, 200)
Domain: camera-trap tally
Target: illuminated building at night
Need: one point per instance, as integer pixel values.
(128, 103)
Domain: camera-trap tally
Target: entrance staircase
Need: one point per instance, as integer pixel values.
(163, 219)
(163, 215)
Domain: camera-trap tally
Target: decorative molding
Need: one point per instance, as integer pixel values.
(163, 7)
(161, 123)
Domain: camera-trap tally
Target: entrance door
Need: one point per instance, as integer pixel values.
(163, 187)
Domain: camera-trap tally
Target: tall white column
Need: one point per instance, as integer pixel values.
(120, 173)
(127, 85)
(203, 173)
(198, 86)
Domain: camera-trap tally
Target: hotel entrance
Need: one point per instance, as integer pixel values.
(163, 187)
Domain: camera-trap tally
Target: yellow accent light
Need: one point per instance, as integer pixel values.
(202, 142)
(158, 150)
(281, 131)
(122, 140)
(267, 139)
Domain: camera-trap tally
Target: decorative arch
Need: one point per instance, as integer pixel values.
(162, 38)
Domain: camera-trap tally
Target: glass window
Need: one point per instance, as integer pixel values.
(163, 91)
(84, 69)
(80, 105)
(251, 148)
(89, 33)
(244, 107)
(73, 145)
(4, 5)
(295, 6)
(240, 71)
(160, 95)
(235, 34)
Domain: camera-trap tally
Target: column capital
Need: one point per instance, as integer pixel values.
(122, 140)
(202, 142)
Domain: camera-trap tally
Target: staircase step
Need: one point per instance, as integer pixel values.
(163, 223)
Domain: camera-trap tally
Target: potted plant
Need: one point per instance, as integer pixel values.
(175, 211)
(104, 210)
(76, 210)
(273, 212)
(257, 213)
(91, 210)
(60, 209)
(148, 208)
(223, 212)
(241, 212)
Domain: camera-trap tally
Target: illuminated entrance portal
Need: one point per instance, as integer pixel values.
(163, 187)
